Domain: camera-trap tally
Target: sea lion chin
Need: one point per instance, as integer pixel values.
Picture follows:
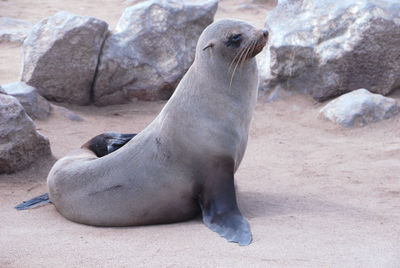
(184, 161)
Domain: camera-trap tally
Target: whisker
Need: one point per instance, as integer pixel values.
(254, 47)
(237, 63)
(251, 45)
(234, 59)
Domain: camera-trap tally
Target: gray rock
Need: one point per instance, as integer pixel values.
(35, 105)
(150, 50)
(359, 107)
(13, 30)
(2, 91)
(330, 47)
(245, 6)
(265, 2)
(20, 143)
(61, 56)
(68, 114)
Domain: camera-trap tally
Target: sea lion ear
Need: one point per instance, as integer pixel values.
(210, 44)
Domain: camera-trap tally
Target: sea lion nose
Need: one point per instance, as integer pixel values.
(265, 33)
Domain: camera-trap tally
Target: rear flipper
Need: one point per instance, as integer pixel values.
(218, 204)
(34, 202)
(108, 142)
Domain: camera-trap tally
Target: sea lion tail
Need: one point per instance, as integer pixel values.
(34, 202)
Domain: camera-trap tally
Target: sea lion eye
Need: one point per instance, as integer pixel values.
(234, 40)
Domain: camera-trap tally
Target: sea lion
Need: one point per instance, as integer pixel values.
(184, 161)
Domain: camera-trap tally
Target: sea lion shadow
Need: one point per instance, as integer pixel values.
(261, 204)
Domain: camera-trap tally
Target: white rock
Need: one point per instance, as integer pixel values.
(330, 47)
(13, 30)
(150, 50)
(35, 105)
(20, 143)
(61, 56)
(360, 107)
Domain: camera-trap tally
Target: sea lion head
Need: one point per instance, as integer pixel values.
(232, 40)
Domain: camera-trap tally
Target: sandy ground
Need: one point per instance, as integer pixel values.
(315, 195)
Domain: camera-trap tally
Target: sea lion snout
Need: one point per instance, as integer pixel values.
(261, 42)
(263, 36)
(265, 33)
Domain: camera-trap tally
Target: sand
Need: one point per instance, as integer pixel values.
(315, 194)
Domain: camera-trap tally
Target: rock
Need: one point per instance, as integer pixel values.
(330, 47)
(245, 6)
(2, 91)
(69, 114)
(20, 143)
(13, 30)
(151, 49)
(35, 105)
(61, 56)
(265, 2)
(360, 107)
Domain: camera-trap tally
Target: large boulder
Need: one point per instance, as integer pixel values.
(329, 47)
(35, 105)
(150, 50)
(13, 30)
(359, 107)
(61, 56)
(20, 143)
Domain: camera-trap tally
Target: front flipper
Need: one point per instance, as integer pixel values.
(107, 143)
(219, 207)
(118, 140)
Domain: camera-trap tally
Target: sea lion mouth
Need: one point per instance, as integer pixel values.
(259, 44)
